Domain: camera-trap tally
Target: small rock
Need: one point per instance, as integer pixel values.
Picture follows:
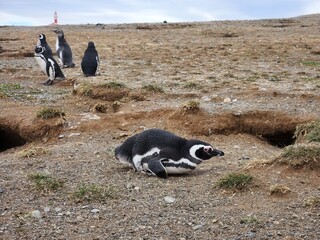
(95, 210)
(58, 209)
(46, 209)
(1, 190)
(197, 227)
(74, 134)
(36, 214)
(169, 199)
(227, 100)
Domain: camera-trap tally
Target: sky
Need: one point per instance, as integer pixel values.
(39, 12)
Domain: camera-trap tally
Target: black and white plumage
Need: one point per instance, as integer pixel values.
(90, 61)
(42, 41)
(63, 49)
(159, 152)
(48, 65)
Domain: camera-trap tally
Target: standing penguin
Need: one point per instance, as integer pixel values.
(158, 152)
(63, 50)
(42, 41)
(90, 61)
(48, 65)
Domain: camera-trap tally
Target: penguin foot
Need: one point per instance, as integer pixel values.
(48, 82)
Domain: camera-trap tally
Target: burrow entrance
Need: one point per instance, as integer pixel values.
(10, 139)
(15, 132)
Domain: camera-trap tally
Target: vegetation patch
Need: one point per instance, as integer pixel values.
(235, 180)
(313, 201)
(153, 88)
(311, 63)
(308, 132)
(47, 112)
(279, 190)
(300, 156)
(33, 151)
(45, 183)
(249, 220)
(93, 192)
(191, 106)
(101, 107)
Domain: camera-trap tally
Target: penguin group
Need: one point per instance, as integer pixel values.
(44, 56)
(160, 153)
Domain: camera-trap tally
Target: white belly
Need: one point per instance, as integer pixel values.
(42, 63)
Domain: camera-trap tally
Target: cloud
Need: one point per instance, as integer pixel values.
(13, 19)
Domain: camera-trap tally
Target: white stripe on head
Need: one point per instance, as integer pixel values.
(193, 150)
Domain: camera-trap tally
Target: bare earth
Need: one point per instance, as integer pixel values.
(254, 80)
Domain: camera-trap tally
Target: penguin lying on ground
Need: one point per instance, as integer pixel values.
(63, 50)
(90, 61)
(158, 152)
(42, 41)
(48, 65)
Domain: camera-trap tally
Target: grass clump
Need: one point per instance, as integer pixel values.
(153, 88)
(192, 85)
(249, 220)
(300, 155)
(7, 87)
(235, 180)
(101, 107)
(94, 192)
(308, 132)
(311, 63)
(45, 183)
(191, 106)
(33, 151)
(279, 190)
(114, 84)
(313, 201)
(47, 112)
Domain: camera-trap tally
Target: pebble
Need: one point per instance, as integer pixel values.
(95, 210)
(74, 134)
(169, 199)
(36, 214)
(197, 227)
(1, 190)
(61, 136)
(46, 209)
(58, 209)
(227, 100)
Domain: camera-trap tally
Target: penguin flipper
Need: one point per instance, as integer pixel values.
(156, 167)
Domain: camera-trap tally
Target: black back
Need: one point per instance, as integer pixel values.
(90, 61)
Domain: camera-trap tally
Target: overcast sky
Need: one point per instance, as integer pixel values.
(37, 12)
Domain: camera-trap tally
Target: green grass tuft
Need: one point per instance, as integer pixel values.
(153, 88)
(309, 132)
(94, 192)
(249, 220)
(45, 183)
(46, 113)
(114, 84)
(311, 63)
(235, 180)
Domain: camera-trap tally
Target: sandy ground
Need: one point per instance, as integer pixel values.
(254, 81)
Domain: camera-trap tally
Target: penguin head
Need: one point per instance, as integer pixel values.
(202, 150)
(42, 37)
(58, 32)
(91, 45)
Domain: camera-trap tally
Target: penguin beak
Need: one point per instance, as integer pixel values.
(216, 153)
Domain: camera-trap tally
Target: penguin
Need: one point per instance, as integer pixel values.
(63, 50)
(90, 61)
(159, 153)
(42, 41)
(48, 65)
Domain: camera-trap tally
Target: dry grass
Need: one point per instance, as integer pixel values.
(33, 151)
(191, 106)
(235, 180)
(279, 190)
(47, 112)
(308, 132)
